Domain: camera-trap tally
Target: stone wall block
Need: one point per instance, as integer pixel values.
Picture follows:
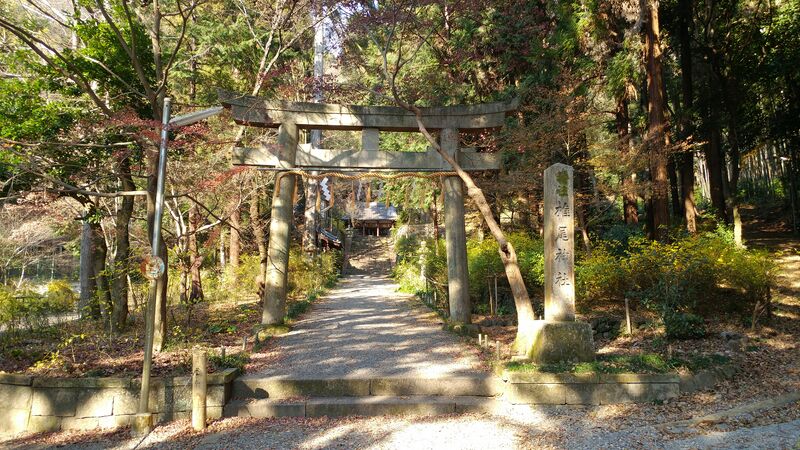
(215, 396)
(14, 420)
(82, 423)
(15, 396)
(88, 382)
(126, 401)
(15, 379)
(537, 394)
(214, 412)
(95, 403)
(639, 378)
(703, 380)
(542, 377)
(54, 402)
(636, 392)
(582, 394)
(687, 383)
(124, 420)
(41, 424)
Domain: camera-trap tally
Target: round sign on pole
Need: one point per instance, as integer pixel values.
(153, 267)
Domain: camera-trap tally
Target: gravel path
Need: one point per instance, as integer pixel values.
(517, 427)
(364, 328)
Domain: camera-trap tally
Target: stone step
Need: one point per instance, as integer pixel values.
(283, 388)
(361, 406)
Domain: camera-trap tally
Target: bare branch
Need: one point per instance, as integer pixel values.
(34, 42)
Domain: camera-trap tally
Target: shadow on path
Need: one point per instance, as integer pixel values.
(364, 328)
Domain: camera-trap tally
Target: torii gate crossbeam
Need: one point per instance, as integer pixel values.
(290, 117)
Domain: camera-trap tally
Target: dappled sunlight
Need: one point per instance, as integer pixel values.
(437, 434)
(327, 438)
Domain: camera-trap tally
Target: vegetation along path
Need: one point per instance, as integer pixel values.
(363, 328)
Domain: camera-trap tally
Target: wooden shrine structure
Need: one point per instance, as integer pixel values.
(288, 154)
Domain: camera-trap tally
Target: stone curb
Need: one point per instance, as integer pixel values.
(106, 382)
(360, 406)
(601, 389)
(15, 379)
(282, 388)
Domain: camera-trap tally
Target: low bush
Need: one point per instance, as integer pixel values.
(679, 325)
(27, 308)
(60, 297)
(600, 276)
(308, 276)
(422, 268)
(232, 360)
(485, 264)
(683, 281)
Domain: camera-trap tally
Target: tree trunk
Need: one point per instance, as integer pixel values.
(195, 260)
(730, 90)
(183, 288)
(234, 249)
(656, 126)
(714, 161)
(86, 270)
(311, 215)
(101, 305)
(583, 182)
(630, 208)
(686, 159)
(119, 287)
(222, 257)
(674, 192)
(258, 231)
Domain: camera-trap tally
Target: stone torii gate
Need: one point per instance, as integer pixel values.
(290, 117)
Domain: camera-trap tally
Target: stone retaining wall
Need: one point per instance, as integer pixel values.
(49, 404)
(602, 389)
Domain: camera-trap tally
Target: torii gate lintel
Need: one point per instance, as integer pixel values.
(290, 117)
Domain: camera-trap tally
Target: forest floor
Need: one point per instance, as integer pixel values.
(75, 348)
(759, 408)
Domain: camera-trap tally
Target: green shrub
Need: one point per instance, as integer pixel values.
(617, 238)
(60, 297)
(8, 305)
(27, 308)
(247, 275)
(232, 360)
(600, 276)
(690, 277)
(407, 246)
(308, 276)
(679, 325)
(408, 275)
(485, 263)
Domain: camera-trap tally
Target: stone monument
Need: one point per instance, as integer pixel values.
(559, 337)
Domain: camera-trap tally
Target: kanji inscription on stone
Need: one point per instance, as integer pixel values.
(559, 247)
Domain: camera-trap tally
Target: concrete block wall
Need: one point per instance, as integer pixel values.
(38, 404)
(536, 388)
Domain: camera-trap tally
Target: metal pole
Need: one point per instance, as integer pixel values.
(144, 395)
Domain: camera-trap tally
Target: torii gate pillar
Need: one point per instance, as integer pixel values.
(455, 236)
(279, 231)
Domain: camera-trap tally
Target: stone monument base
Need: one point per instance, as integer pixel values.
(555, 342)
